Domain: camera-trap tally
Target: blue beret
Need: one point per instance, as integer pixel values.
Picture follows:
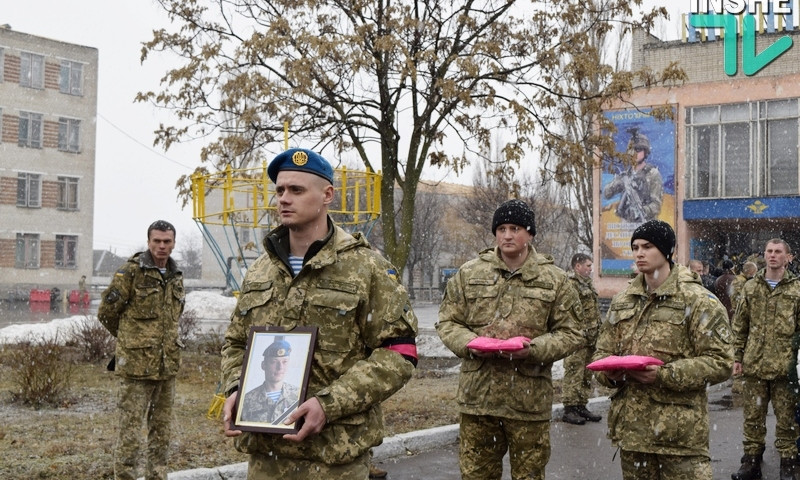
(279, 348)
(300, 160)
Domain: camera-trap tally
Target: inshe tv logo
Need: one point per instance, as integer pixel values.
(725, 14)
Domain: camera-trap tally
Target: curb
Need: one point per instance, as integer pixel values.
(398, 445)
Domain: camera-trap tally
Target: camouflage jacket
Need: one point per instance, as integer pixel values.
(764, 323)
(591, 310)
(352, 295)
(685, 326)
(736, 289)
(258, 407)
(536, 301)
(141, 308)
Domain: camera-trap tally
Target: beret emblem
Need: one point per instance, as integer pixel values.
(300, 158)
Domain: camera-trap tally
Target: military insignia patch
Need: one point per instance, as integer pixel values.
(392, 274)
(300, 158)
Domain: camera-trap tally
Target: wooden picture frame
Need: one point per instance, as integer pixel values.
(274, 379)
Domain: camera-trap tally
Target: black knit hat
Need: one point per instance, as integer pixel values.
(515, 212)
(659, 234)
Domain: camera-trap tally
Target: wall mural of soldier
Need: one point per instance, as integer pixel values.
(632, 194)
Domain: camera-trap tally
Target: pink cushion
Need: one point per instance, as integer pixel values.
(628, 362)
(486, 344)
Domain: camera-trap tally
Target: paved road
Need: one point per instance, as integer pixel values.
(584, 452)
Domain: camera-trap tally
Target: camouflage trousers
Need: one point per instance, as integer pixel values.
(484, 440)
(150, 401)
(263, 466)
(577, 383)
(651, 466)
(756, 395)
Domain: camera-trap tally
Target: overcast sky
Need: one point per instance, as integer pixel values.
(135, 182)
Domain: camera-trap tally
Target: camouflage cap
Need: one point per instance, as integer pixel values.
(300, 160)
(279, 348)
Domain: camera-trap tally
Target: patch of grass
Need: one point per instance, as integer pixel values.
(76, 439)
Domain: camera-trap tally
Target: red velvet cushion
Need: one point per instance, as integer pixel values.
(628, 362)
(486, 344)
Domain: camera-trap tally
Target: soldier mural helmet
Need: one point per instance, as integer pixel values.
(639, 140)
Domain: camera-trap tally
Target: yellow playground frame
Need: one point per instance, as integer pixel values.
(235, 208)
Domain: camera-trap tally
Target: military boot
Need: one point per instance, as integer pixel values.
(787, 469)
(750, 469)
(585, 413)
(572, 416)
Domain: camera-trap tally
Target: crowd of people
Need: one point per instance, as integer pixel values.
(508, 314)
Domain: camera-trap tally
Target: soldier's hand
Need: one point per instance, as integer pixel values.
(648, 375)
(518, 354)
(737, 369)
(227, 416)
(480, 354)
(314, 419)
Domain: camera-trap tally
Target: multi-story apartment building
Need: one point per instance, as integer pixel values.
(48, 107)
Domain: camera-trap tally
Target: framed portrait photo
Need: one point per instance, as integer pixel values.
(274, 379)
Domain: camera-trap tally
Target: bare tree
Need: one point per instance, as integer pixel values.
(427, 238)
(395, 83)
(191, 255)
(581, 136)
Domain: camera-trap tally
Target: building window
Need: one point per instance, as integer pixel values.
(71, 78)
(27, 252)
(31, 70)
(69, 135)
(66, 251)
(67, 193)
(743, 150)
(29, 190)
(30, 130)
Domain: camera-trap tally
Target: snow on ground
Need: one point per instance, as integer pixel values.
(212, 309)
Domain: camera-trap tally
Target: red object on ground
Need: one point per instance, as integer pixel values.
(627, 362)
(78, 297)
(486, 344)
(38, 295)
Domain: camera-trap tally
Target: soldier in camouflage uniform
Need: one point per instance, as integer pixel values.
(749, 270)
(641, 186)
(659, 416)
(270, 401)
(577, 383)
(315, 274)
(141, 308)
(505, 398)
(766, 319)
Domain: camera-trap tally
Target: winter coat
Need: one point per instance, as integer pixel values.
(764, 324)
(537, 301)
(142, 308)
(686, 327)
(352, 295)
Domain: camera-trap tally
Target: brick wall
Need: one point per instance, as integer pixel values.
(50, 134)
(8, 191)
(10, 128)
(49, 194)
(11, 68)
(47, 254)
(7, 252)
(52, 72)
